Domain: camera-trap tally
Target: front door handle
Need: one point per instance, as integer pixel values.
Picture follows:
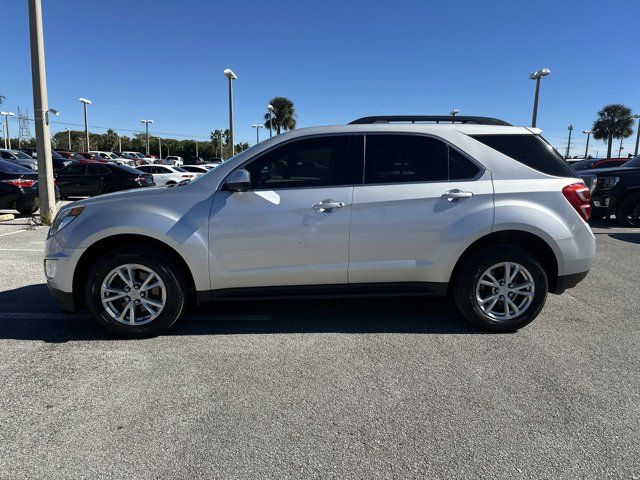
(456, 194)
(327, 205)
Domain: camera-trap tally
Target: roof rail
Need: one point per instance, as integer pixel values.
(429, 118)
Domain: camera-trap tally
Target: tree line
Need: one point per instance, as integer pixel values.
(218, 145)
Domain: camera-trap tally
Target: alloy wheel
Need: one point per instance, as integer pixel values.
(505, 291)
(133, 294)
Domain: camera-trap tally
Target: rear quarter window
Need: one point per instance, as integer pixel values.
(530, 150)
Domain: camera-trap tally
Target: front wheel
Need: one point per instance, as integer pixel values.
(501, 289)
(628, 215)
(134, 292)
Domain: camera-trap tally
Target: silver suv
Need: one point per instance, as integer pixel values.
(472, 207)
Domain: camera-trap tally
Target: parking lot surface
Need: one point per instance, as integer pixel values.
(384, 388)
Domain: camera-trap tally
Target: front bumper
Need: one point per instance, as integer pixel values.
(64, 299)
(60, 281)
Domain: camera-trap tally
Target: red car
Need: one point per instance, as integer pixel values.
(597, 163)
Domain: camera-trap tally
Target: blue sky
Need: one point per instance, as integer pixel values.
(336, 60)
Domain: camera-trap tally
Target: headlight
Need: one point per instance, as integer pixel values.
(605, 183)
(64, 218)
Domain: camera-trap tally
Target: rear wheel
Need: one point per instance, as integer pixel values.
(135, 293)
(628, 214)
(501, 289)
(27, 210)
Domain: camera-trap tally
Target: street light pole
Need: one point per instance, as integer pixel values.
(257, 127)
(537, 75)
(46, 193)
(570, 128)
(197, 149)
(637, 133)
(270, 108)
(231, 76)
(85, 102)
(146, 126)
(7, 138)
(160, 149)
(586, 149)
(69, 138)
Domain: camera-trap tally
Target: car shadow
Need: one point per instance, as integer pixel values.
(29, 313)
(626, 237)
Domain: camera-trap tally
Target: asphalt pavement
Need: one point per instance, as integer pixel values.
(383, 388)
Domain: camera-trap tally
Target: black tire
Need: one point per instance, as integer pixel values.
(27, 210)
(628, 214)
(170, 275)
(597, 216)
(109, 189)
(464, 289)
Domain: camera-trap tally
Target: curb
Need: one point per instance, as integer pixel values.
(6, 216)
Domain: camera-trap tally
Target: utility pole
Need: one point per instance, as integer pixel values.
(146, 125)
(570, 128)
(120, 143)
(620, 149)
(637, 116)
(69, 138)
(7, 137)
(160, 148)
(586, 149)
(46, 190)
(197, 149)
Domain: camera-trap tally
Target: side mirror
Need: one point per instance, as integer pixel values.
(239, 181)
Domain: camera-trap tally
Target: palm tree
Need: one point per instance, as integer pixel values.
(614, 121)
(284, 114)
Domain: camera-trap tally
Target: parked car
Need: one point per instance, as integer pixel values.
(172, 160)
(616, 191)
(597, 163)
(111, 157)
(195, 169)
(19, 158)
(473, 207)
(138, 158)
(18, 188)
(215, 160)
(29, 151)
(166, 174)
(69, 155)
(59, 161)
(95, 178)
(193, 161)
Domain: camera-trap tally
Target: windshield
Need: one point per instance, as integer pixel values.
(179, 169)
(9, 167)
(582, 164)
(21, 155)
(634, 162)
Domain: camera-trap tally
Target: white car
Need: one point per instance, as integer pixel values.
(139, 158)
(471, 207)
(164, 175)
(173, 160)
(195, 169)
(113, 158)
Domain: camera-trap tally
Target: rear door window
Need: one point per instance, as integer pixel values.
(404, 159)
(530, 150)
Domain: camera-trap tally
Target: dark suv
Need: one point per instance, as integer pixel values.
(616, 191)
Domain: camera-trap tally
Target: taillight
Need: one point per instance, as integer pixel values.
(20, 182)
(579, 196)
(140, 179)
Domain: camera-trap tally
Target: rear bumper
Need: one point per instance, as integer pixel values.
(565, 282)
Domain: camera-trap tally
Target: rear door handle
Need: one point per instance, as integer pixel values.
(327, 205)
(456, 194)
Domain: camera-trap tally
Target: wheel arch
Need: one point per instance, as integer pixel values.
(108, 244)
(530, 242)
